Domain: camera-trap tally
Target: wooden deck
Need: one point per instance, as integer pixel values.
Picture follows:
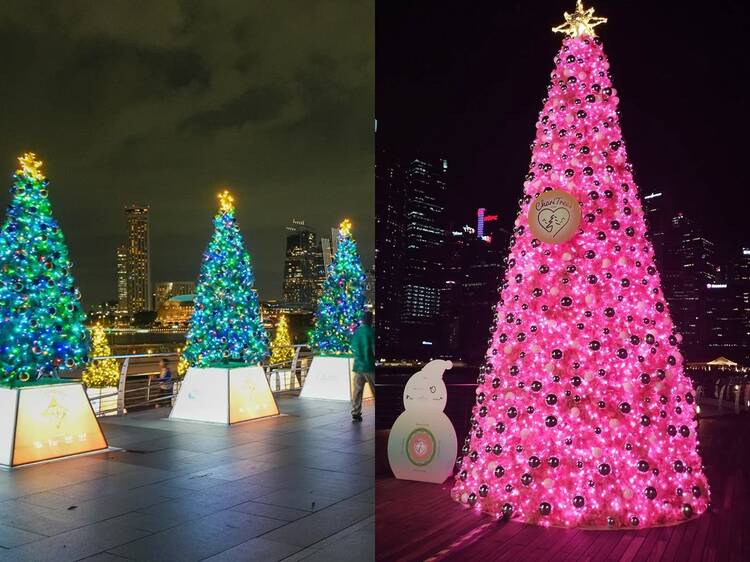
(417, 521)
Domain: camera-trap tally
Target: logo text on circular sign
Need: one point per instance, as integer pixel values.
(554, 217)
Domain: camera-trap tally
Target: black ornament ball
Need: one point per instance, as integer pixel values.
(545, 508)
(604, 469)
(650, 492)
(578, 501)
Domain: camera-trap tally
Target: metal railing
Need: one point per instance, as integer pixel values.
(145, 389)
(733, 391)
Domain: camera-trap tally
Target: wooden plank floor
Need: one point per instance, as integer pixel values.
(419, 522)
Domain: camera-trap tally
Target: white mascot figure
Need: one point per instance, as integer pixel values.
(422, 443)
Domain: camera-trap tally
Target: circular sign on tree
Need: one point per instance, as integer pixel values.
(554, 216)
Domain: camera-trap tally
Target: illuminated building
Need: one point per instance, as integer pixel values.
(411, 231)
(122, 279)
(166, 289)
(139, 260)
(472, 275)
(689, 267)
(655, 212)
(723, 320)
(176, 310)
(739, 276)
(303, 267)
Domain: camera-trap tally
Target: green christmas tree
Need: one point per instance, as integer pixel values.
(226, 327)
(42, 328)
(342, 304)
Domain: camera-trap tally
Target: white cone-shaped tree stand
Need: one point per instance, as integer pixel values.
(332, 378)
(224, 395)
(45, 422)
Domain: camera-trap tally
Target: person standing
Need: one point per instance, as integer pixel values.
(363, 349)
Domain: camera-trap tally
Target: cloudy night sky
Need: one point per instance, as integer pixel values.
(164, 102)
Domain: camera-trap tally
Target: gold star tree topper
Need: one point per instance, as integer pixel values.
(580, 22)
(345, 228)
(30, 166)
(226, 202)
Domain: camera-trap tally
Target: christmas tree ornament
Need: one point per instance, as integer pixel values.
(102, 376)
(339, 313)
(42, 332)
(596, 392)
(226, 340)
(226, 326)
(342, 303)
(281, 347)
(101, 372)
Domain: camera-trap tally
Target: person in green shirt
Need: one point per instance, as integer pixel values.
(363, 349)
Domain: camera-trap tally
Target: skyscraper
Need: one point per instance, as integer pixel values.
(122, 279)
(689, 268)
(327, 246)
(654, 208)
(723, 321)
(139, 259)
(389, 253)
(739, 278)
(473, 274)
(411, 228)
(303, 267)
(424, 237)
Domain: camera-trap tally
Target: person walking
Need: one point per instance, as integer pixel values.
(363, 349)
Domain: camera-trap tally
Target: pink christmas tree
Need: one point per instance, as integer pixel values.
(583, 416)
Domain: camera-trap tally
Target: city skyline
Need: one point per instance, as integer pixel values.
(165, 104)
(474, 100)
(442, 268)
(305, 263)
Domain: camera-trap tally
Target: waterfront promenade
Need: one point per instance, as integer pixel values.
(295, 487)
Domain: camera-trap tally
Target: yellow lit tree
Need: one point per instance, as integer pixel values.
(281, 347)
(104, 372)
(182, 366)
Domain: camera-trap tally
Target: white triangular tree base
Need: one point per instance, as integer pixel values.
(332, 378)
(45, 422)
(224, 395)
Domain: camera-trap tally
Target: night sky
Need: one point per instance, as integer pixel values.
(465, 80)
(163, 102)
